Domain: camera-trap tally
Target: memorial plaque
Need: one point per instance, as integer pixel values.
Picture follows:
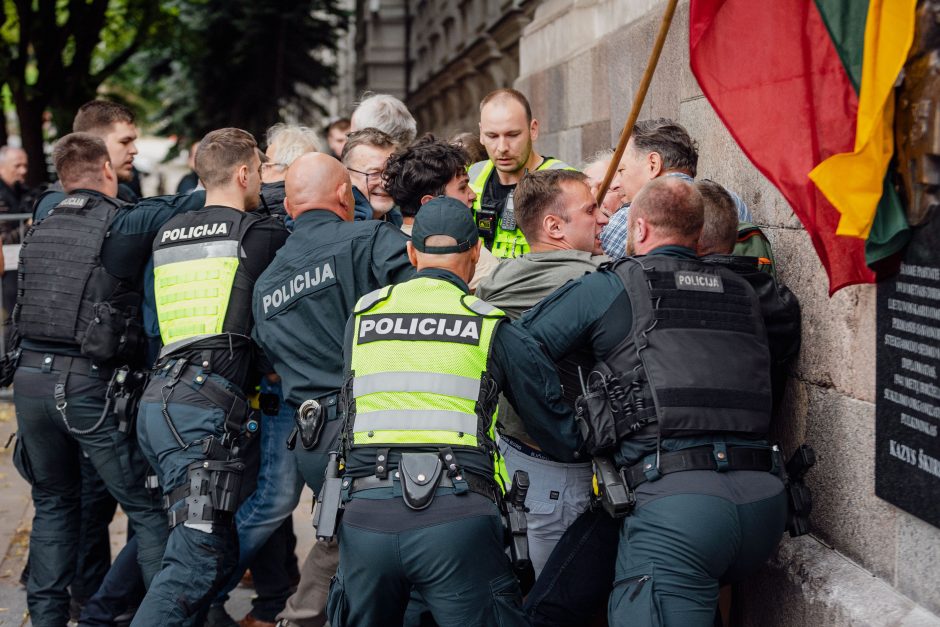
(907, 461)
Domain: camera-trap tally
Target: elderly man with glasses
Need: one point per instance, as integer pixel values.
(365, 155)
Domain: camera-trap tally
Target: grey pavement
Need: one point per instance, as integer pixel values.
(16, 514)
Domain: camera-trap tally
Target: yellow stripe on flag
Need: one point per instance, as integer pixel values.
(853, 181)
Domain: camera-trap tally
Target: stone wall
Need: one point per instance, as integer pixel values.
(867, 562)
(460, 51)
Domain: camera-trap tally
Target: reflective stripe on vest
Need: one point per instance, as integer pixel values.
(193, 287)
(431, 382)
(506, 244)
(419, 383)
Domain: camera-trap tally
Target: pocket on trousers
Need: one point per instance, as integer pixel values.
(337, 605)
(540, 508)
(507, 602)
(633, 601)
(21, 460)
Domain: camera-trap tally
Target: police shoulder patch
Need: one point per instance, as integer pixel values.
(699, 281)
(73, 202)
(304, 281)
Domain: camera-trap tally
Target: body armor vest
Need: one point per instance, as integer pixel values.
(697, 359)
(503, 241)
(65, 294)
(200, 286)
(418, 367)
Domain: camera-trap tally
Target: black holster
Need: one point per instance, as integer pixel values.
(612, 492)
(799, 497)
(8, 364)
(514, 510)
(310, 419)
(329, 505)
(211, 496)
(122, 398)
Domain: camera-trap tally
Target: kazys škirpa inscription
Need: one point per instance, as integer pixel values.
(907, 468)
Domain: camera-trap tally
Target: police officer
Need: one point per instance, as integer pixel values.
(115, 125)
(507, 131)
(688, 437)
(265, 528)
(425, 364)
(79, 301)
(194, 409)
(301, 304)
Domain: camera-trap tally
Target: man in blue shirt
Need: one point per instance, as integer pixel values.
(659, 147)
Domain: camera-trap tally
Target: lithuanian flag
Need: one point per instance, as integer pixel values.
(806, 88)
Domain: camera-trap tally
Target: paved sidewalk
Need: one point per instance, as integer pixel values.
(16, 513)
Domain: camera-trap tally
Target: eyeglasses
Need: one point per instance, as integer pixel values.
(367, 174)
(270, 164)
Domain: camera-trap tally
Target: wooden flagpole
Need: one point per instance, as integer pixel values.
(638, 99)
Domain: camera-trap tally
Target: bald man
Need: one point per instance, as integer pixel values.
(301, 304)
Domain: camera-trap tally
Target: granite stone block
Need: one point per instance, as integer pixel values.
(557, 99)
(838, 347)
(600, 98)
(579, 89)
(846, 513)
(807, 583)
(595, 137)
(918, 569)
(569, 146)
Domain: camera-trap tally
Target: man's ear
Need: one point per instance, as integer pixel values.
(475, 253)
(288, 208)
(345, 199)
(534, 129)
(426, 198)
(552, 226)
(641, 230)
(107, 170)
(412, 253)
(241, 175)
(654, 162)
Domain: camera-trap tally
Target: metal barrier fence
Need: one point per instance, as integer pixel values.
(11, 257)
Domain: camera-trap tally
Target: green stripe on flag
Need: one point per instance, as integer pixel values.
(845, 21)
(890, 231)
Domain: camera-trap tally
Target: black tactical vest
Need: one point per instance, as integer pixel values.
(697, 360)
(65, 294)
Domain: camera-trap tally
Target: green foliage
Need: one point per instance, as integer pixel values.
(188, 66)
(54, 54)
(236, 63)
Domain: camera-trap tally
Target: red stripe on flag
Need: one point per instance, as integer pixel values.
(771, 72)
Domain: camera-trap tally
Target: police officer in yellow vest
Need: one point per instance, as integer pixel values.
(194, 410)
(423, 482)
(507, 131)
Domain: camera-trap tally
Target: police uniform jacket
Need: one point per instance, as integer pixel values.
(596, 311)
(302, 301)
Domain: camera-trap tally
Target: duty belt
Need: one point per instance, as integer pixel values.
(47, 362)
(474, 483)
(712, 457)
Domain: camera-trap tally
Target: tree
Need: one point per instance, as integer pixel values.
(56, 53)
(239, 63)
